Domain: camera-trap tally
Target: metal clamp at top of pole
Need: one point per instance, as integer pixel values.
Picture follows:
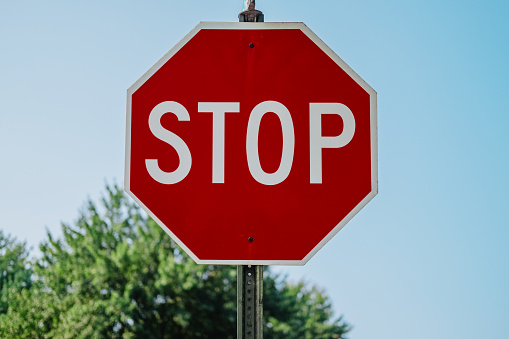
(250, 14)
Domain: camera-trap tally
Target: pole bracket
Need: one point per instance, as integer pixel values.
(250, 14)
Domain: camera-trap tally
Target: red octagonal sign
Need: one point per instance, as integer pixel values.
(251, 143)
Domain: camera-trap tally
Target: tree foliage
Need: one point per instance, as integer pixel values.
(116, 274)
(15, 270)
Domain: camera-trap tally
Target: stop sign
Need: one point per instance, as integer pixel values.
(251, 143)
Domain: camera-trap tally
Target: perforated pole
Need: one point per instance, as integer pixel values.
(249, 302)
(250, 277)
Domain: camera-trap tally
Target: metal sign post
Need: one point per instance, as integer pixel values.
(249, 301)
(250, 277)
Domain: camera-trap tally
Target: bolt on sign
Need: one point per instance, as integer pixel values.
(251, 143)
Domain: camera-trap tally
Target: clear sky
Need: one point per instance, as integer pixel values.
(427, 258)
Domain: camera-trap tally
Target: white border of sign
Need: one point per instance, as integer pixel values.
(265, 25)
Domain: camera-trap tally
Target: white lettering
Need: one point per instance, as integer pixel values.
(253, 127)
(154, 122)
(317, 142)
(218, 110)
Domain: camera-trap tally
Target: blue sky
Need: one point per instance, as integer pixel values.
(427, 258)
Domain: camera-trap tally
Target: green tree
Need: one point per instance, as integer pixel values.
(15, 270)
(297, 311)
(116, 274)
(20, 304)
